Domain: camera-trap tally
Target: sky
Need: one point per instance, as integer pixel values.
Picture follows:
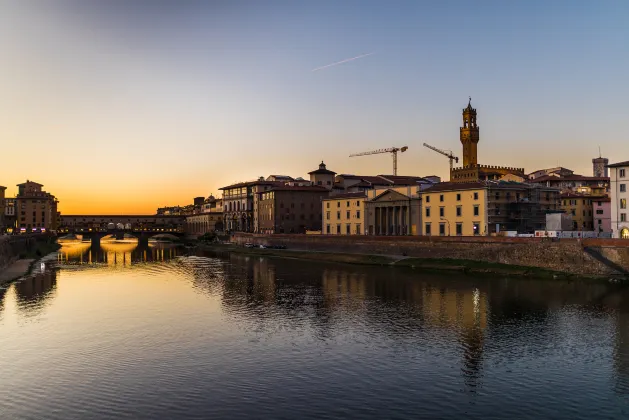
(120, 107)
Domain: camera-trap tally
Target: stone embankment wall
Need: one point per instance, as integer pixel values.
(586, 257)
(11, 247)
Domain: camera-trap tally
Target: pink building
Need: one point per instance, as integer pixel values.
(602, 214)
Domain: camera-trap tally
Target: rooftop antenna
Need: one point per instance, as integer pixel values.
(599, 152)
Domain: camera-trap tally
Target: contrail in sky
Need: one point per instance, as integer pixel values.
(342, 61)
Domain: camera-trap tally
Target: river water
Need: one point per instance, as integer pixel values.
(127, 332)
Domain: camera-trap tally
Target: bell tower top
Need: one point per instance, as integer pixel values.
(469, 135)
(469, 116)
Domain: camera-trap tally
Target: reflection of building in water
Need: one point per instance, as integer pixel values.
(343, 287)
(34, 291)
(621, 347)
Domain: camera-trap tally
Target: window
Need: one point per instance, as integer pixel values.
(583, 212)
(347, 214)
(459, 229)
(458, 197)
(348, 229)
(427, 199)
(441, 211)
(428, 229)
(347, 205)
(623, 187)
(476, 211)
(476, 228)
(600, 221)
(458, 211)
(427, 211)
(358, 203)
(623, 217)
(497, 195)
(623, 203)
(338, 214)
(441, 198)
(327, 229)
(622, 173)
(358, 229)
(338, 204)
(338, 229)
(442, 229)
(599, 211)
(475, 196)
(318, 182)
(358, 214)
(573, 212)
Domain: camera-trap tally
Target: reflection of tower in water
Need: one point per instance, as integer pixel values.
(466, 311)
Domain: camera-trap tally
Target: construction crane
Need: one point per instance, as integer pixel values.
(392, 150)
(447, 154)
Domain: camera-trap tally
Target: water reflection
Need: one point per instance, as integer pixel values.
(33, 291)
(116, 253)
(408, 306)
(219, 335)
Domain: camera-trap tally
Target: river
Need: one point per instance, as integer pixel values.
(125, 332)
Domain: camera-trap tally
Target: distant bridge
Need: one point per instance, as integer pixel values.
(132, 224)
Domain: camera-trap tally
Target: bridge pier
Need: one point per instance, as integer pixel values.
(95, 241)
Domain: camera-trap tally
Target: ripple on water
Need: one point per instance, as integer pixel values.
(232, 337)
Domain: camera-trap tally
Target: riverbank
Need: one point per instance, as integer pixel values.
(464, 266)
(22, 264)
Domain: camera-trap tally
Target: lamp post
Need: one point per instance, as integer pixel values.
(443, 218)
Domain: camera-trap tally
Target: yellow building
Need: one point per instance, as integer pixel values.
(579, 206)
(344, 214)
(455, 209)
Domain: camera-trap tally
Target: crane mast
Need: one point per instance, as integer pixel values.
(392, 150)
(447, 154)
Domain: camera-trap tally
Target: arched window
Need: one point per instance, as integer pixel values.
(624, 233)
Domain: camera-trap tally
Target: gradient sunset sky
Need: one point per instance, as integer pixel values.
(119, 107)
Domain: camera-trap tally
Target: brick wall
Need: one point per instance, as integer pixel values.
(566, 255)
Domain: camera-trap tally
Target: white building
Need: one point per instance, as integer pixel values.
(619, 179)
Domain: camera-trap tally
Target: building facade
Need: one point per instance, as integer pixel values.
(393, 212)
(9, 214)
(455, 209)
(36, 209)
(200, 224)
(485, 208)
(238, 207)
(3, 226)
(291, 209)
(322, 177)
(602, 214)
(344, 214)
(574, 183)
(580, 208)
(619, 179)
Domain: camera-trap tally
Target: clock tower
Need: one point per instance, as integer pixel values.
(469, 136)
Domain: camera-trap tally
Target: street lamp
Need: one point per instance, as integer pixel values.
(443, 218)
